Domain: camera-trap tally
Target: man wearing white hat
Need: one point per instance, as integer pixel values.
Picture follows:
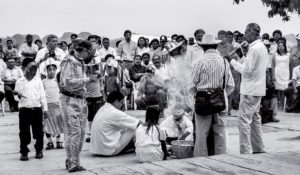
(253, 87)
(208, 75)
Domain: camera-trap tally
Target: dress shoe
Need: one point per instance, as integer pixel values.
(59, 145)
(24, 157)
(39, 155)
(49, 146)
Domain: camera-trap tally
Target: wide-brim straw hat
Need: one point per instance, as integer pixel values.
(209, 39)
(173, 45)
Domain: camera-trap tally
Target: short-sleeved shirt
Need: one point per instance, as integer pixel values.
(12, 74)
(127, 50)
(28, 49)
(107, 128)
(296, 75)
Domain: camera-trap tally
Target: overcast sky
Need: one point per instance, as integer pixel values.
(152, 17)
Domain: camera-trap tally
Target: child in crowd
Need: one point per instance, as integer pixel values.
(150, 139)
(112, 81)
(53, 124)
(94, 92)
(32, 103)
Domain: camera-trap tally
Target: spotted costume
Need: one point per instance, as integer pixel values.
(73, 107)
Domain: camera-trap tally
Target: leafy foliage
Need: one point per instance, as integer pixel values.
(283, 8)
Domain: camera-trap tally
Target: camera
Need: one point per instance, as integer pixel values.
(150, 70)
(52, 54)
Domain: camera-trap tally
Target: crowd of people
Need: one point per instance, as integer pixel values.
(58, 88)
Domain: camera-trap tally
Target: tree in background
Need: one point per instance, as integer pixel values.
(280, 7)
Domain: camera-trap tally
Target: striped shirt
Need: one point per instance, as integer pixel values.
(208, 73)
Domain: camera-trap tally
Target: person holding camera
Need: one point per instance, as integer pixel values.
(51, 53)
(151, 91)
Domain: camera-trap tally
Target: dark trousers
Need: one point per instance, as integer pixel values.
(1, 97)
(94, 104)
(9, 95)
(31, 117)
(296, 106)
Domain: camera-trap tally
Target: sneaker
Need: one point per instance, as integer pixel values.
(76, 168)
(49, 146)
(39, 155)
(24, 157)
(59, 145)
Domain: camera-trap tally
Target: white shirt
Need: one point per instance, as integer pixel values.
(103, 52)
(141, 51)
(51, 90)
(148, 145)
(172, 130)
(253, 70)
(34, 92)
(194, 53)
(12, 74)
(26, 48)
(164, 72)
(59, 53)
(296, 75)
(107, 127)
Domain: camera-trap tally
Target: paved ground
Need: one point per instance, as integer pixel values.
(278, 137)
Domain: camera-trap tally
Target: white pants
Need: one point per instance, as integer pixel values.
(250, 127)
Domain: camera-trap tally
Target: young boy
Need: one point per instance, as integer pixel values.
(32, 103)
(94, 93)
(53, 125)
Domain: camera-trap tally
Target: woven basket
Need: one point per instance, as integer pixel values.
(182, 149)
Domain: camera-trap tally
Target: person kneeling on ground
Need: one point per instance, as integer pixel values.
(150, 138)
(177, 125)
(112, 129)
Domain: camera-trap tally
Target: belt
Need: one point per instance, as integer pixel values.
(34, 108)
(69, 94)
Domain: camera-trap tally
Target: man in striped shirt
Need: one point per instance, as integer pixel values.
(208, 74)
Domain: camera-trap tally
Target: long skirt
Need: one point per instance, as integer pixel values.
(53, 125)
